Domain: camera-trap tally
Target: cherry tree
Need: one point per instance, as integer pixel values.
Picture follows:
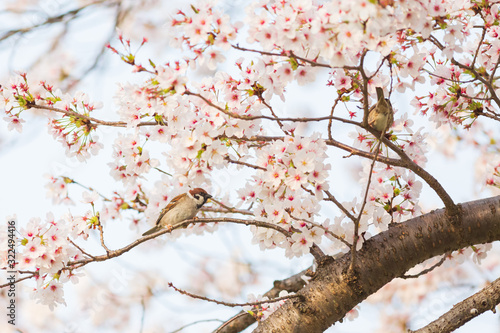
(356, 214)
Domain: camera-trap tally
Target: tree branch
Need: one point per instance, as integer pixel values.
(243, 319)
(274, 118)
(211, 300)
(50, 20)
(332, 292)
(115, 253)
(482, 301)
(88, 118)
(427, 270)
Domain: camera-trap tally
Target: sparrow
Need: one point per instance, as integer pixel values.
(182, 207)
(381, 114)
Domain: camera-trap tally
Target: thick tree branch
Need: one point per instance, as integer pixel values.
(482, 301)
(333, 292)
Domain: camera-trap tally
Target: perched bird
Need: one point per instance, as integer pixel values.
(182, 207)
(381, 115)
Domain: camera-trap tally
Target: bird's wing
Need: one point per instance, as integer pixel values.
(152, 230)
(170, 205)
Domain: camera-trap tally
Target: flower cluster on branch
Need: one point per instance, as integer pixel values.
(175, 130)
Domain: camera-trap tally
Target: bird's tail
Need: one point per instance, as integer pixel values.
(152, 230)
(380, 93)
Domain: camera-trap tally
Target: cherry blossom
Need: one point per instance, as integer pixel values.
(183, 121)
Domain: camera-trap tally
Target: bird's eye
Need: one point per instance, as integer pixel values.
(197, 196)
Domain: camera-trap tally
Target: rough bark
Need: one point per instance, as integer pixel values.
(333, 291)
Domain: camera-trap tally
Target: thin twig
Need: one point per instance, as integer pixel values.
(245, 117)
(101, 235)
(330, 122)
(164, 172)
(280, 124)
(81, 250)
(118, 19)
(290, 54)
(427, 270)
(72, 181)
(231, 209)
(478, 46)
(143, 315)
(203, 298)
(358, 219)
(339, 205)
(227, 158)
(19, 280)
(196, 322)
(50, 20)
(88, 118)
(322, 228)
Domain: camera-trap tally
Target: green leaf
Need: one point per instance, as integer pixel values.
(294, 63)
(94, 220)
(67, 180)
(200, 152)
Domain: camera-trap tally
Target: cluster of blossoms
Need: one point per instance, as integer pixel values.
(460, 96)
(57, 189)
(199, 128)
(339, 31)
(489, 162)
(262, 311)
(394, 189)
(14, 100)
(45, 249)
(74, 129)
(462, 64)
(287, 188)
(204, 31)
(130, 159)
